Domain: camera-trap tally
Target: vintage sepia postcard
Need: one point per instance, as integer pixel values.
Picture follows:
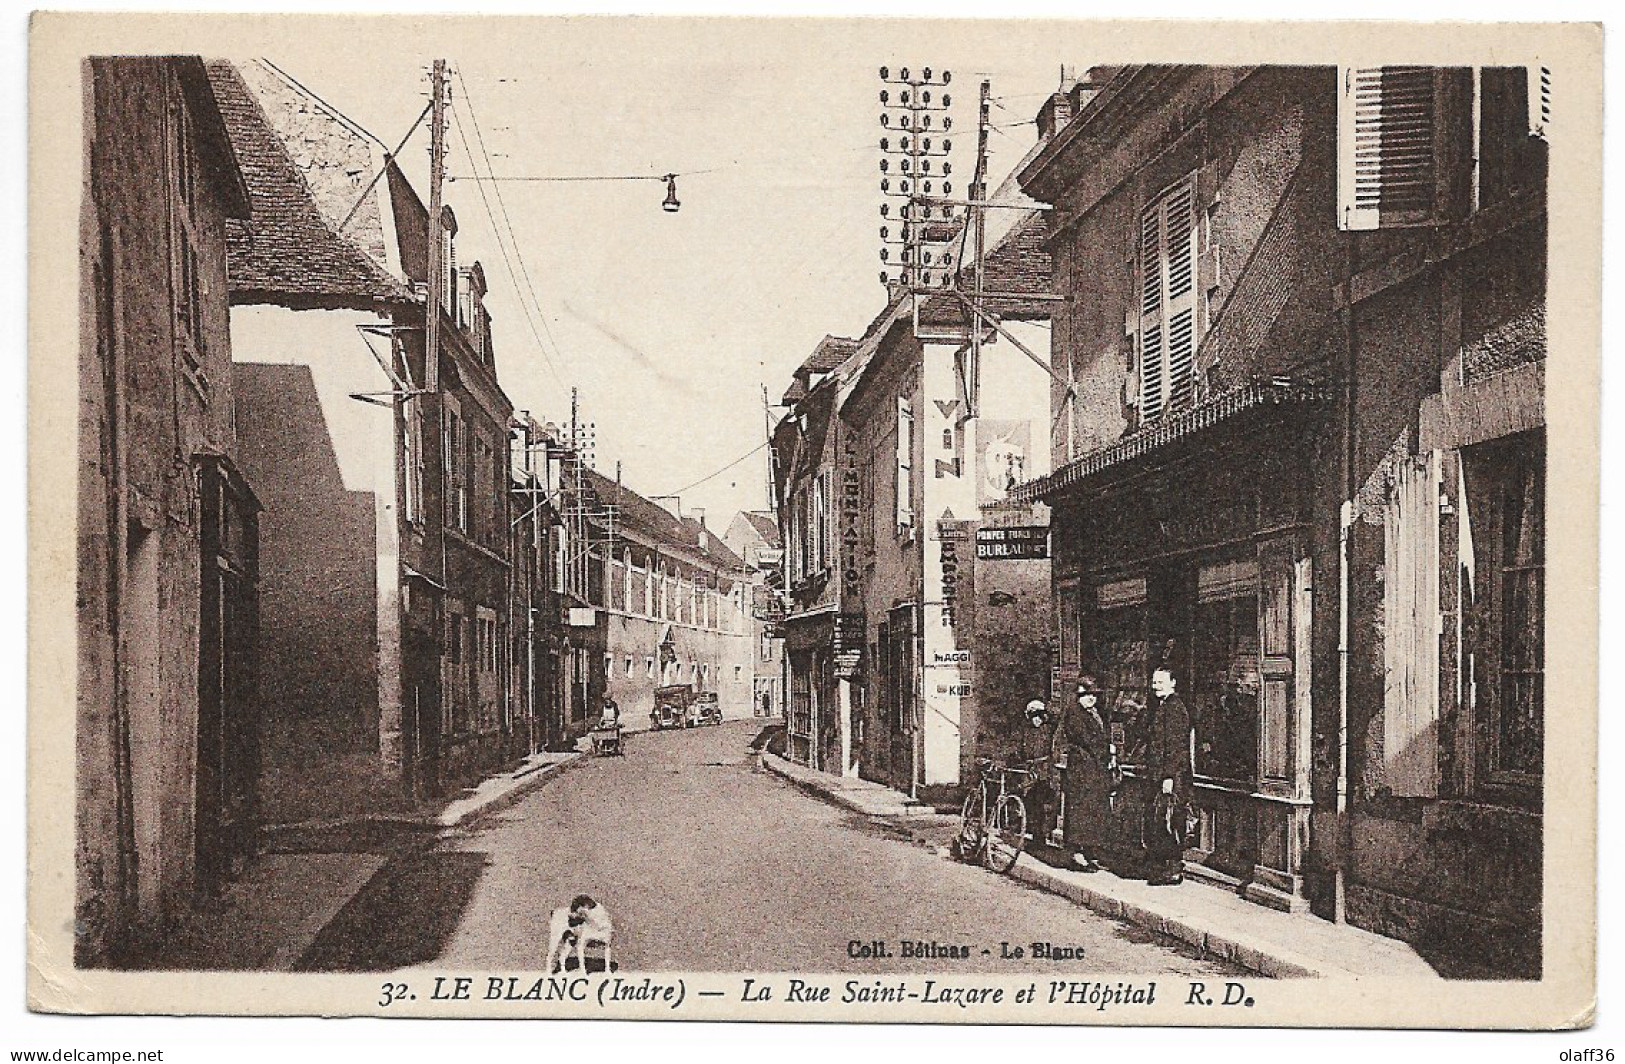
(814, 520)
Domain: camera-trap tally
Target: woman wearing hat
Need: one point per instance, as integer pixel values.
(1088, 773)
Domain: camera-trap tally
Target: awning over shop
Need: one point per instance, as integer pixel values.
(1169, 430)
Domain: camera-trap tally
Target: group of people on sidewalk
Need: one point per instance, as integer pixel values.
(1091, 776)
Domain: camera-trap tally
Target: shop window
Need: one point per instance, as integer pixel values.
(1068, 621)
(1167, 285)
(1117, 650)
(800, 700)
(1505, 565)
(1223, 688)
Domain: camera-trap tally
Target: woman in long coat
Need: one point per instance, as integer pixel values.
(1088, 783)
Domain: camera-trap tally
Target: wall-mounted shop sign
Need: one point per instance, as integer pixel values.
(1013, 543)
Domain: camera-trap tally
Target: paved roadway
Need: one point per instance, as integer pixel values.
(708, 865)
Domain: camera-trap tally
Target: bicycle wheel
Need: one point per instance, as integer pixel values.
(1006, 833)
(971, 838)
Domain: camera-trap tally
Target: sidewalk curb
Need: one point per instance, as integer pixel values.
(786, 770)
(1265, 959)
(524, 781)
(1271, 961)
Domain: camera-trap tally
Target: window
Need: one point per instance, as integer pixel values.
(1224, 683)
(1118, 647)
(1068, 621)
(1539, 98)
(412, 445)
(191, 287)
(1504, 563)
(1167, 334)
(905, 468)
(649, 667)
(1417, 145)
(820, 522)
(1388, 122)
(1513, 109)
(629, 665)
(454, 453)
(739, 673)
(448, 269)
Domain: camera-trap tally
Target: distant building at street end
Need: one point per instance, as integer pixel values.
(666, 601)
(754, 536)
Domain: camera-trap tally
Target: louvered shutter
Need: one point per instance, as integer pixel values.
(1540, 100)
(1411, 627)
(1167, 302)
(1387, 125)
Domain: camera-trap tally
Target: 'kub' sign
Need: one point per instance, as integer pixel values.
(1013, 543)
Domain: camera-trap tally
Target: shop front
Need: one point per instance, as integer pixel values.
(810, 717)
(1196, 556)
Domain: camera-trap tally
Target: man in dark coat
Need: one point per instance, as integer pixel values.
(1083, 734)
(1168, 768)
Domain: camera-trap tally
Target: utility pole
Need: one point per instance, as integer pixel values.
(437, 176)
(767, 434)
(978, 218)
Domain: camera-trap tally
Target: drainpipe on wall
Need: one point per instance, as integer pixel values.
(1346, 526)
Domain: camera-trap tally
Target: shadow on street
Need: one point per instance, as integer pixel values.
(404, 916)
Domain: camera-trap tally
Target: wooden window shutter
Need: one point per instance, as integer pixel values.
(1167, 290)
(1411, 626)
(1388, 123)
(1540, 100)
(1278, 622)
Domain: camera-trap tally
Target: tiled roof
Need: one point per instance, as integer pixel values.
(1168, 430)
(659, 524)
(1019, 264)
(765, 525)
(830, 353)
(286, 253)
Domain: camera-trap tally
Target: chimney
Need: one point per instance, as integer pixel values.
(672, 504)
(698, 513)
(1090, 84)
(1055, 113)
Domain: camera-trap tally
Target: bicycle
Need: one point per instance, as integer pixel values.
(993, 821)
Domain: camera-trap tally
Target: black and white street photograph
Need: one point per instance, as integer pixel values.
(816, 519)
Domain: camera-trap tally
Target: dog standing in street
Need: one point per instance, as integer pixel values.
(585, 921)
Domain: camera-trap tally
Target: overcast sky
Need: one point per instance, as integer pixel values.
(669, 324)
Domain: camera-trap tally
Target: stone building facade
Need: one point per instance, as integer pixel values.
(166, 736)
(1301, 366)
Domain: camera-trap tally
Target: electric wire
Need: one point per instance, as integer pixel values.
(507, 258)
(758, 449)
(518, 254)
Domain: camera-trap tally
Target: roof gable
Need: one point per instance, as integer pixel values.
(287, 252)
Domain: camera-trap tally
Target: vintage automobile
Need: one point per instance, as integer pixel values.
(705, 709)
(671, 708)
